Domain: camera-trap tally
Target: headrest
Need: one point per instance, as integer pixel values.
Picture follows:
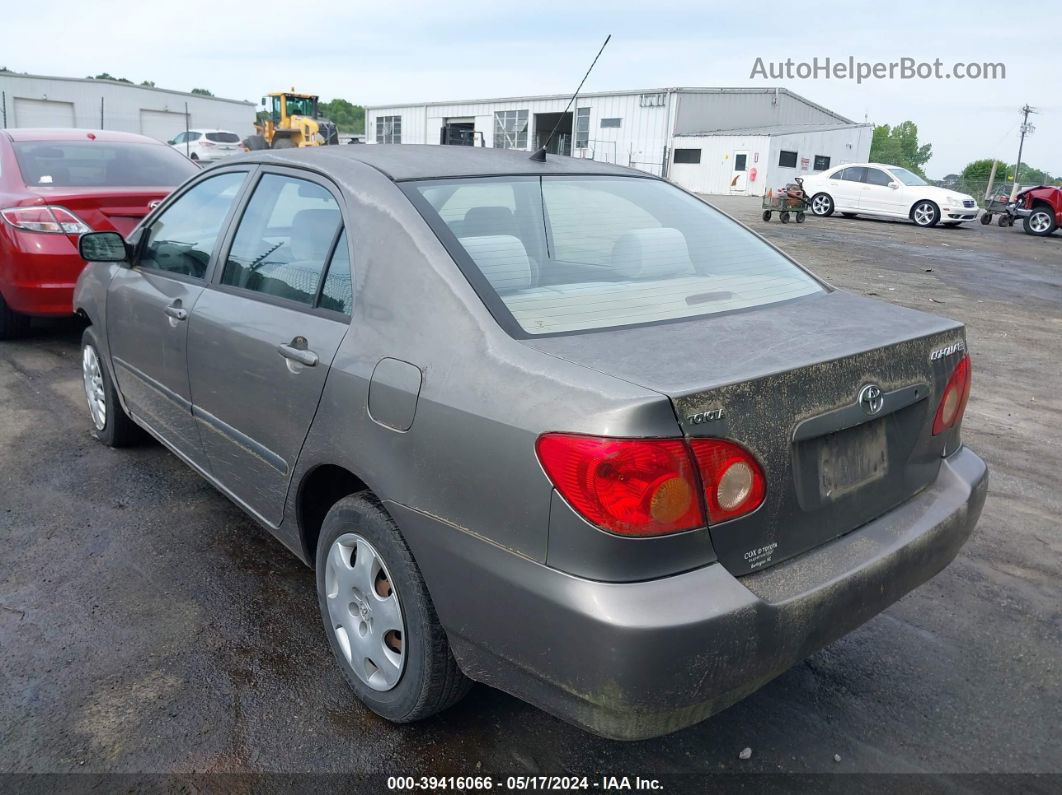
(312, 232)
(502, 259)
(651, 254)
(488, 221)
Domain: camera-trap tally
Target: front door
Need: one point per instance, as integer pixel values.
(263, 335)
(739, 178)
(877, 197)
(149, 303)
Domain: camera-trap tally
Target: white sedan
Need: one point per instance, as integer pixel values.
(890, 191)
(206, 145)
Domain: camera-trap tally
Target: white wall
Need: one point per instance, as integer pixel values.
(123, 105)
(713, 174)
(639, 141)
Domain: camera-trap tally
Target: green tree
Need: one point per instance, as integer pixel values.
(899, 146)
(148, 84)
(202, 92)
(346, 115)
(109, 76)
(979, 171)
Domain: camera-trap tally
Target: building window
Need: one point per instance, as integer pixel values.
(388, 129)
(510, 129)
(787, 159)
(687, 155)
(611, 122)
(821, 162)
(651, 100)
(582, 128)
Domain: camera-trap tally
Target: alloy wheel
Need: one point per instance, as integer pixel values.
(820, 205)
(364, 612)
(1040, 222)
(94, 392)
(924, 214)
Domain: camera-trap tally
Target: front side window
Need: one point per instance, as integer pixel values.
(100, 164)
(510, 129)
(301, 106)
(284, 239)
(388, 129)
(563, 254)
(582, 128)
(907, 177)
(182, 239)
(875, 176)
(787, 159)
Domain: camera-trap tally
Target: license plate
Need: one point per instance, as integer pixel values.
(851, 459)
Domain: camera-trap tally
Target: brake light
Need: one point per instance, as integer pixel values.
(44, 218)
(733, 480)
(632, 487)
(956, 393)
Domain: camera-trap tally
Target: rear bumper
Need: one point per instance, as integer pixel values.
(38, 271)
(636, 660)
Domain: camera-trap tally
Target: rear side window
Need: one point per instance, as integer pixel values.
(565, 254)
(182, 239)
(100, 164)
(223, 137)
(337, 292)
(284, 239)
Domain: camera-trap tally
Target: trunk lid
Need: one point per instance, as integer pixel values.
(790, 382)
(104, 209)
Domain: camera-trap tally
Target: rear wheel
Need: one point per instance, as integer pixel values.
(378, 616)
(986, 219)
(783, 217)
(1002, 222)
(800, 218)
(110, 424)
(925, 213)
(822, 204)
(12, 324)
(1041, 221)
(766, 215)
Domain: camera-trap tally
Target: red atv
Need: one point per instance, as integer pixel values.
(1041, 209)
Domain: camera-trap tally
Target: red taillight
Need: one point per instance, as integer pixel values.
(953, 401)
(733, 480)
(52, 220)
(632, 487)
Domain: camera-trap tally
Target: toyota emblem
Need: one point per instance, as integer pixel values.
(871, 399)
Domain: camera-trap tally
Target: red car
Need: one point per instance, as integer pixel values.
(57, 184)
(1041, 209)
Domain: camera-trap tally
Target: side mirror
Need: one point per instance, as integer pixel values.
(172, 141)
(102, 247)
(894, 185)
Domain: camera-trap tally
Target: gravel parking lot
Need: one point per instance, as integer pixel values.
(147, 625)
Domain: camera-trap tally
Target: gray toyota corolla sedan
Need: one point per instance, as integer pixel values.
(559, 427)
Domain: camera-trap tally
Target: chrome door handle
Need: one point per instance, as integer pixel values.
(300, 355)
(177, 313)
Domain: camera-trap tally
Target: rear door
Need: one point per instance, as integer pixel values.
(846, 190)
(148, 307)
(263, 335)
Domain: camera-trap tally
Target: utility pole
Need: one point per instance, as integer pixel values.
(1026, 129)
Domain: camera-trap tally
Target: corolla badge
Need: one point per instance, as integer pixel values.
(871, 398)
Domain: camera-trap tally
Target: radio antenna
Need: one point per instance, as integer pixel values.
(540, 154)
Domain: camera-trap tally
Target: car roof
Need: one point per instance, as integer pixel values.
(68, 134)
(427, 161)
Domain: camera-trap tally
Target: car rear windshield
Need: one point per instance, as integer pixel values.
(223, 137)
(100, 164)
(565, 254)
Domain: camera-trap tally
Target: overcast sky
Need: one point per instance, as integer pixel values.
(410, 51)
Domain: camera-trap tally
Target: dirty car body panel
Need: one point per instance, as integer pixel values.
(432, 394)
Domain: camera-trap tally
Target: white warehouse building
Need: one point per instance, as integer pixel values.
(709, 140)
(38, 101)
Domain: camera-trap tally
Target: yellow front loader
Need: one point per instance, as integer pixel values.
(291, 120)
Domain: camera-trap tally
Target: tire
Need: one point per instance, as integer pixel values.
(425, 679)
(925, 213)
(800, 218)
(194, 158)
(12, 324)
(849, 215)
(115, 429)
(283, 143)
(255, 143)
(766, 215)
(986, 219)
(1002, 222)
(822, 205)
(1040, 222)
(783, 217)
